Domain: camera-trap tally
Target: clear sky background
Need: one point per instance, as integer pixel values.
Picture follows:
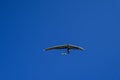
(29, 26)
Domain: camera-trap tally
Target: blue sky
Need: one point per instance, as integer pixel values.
(29, 26)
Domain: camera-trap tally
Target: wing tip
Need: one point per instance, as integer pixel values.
(45, 49)
(82, 49)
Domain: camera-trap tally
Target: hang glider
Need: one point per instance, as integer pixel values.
(66, 46)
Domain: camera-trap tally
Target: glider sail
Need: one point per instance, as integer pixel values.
(66, 46)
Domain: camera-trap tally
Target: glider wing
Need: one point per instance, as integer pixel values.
(76, 47)
(56, 47)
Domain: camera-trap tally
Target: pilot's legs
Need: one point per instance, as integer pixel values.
(64, 53)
